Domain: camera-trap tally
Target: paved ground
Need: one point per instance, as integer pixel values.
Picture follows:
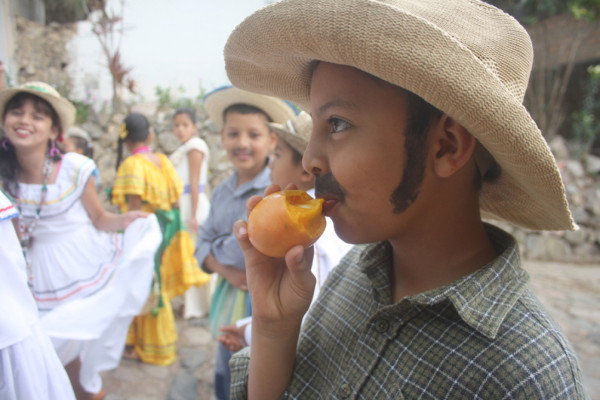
(571, 293)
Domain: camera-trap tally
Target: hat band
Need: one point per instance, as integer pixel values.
(290, 126)
(37, 88)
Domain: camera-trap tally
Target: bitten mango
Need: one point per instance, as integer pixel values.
(285, 219)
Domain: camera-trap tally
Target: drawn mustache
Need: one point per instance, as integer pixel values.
(327, 186)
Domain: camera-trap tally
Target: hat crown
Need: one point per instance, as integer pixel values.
(493, 37)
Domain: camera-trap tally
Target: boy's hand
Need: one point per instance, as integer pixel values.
(237, 277)
(280, 289)
(233, 337)
(193, 225)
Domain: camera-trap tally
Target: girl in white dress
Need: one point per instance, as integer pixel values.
(88, 284)
(29, 366)
(191, 163)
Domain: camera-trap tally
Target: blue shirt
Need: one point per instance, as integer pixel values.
(227, 205)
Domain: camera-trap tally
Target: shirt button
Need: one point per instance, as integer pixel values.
(346, 391)
(382, 325)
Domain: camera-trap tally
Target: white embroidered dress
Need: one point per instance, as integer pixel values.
(197, 299)
(29, 367)
(88, 284)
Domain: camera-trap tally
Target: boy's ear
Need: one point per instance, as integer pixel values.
(452, 146)
(273, 140)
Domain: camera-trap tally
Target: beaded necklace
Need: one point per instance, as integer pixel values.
(26, 230)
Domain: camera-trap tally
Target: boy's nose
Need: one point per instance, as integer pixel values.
(243, 141)
(314, 159)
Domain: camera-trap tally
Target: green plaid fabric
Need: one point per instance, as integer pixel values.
(486, 336)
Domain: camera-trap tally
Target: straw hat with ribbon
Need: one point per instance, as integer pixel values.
(295, 132)
(219, 99)
(465, 57)
(62, 106)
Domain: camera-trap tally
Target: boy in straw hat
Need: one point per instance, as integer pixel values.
(419, 132)
(241, 116)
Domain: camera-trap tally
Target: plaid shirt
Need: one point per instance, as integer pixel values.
(484, 336)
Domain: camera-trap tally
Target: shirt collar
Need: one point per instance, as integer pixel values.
(482, 299)
(260, 182)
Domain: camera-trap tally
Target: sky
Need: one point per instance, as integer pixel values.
(168, 43)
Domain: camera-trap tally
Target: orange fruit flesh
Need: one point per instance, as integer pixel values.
(283, 220)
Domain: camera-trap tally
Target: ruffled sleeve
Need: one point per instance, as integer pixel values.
(74, 172)
(130, 180)
(7, 210)
(197, 143)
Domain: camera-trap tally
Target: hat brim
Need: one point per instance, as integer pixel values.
(218, 100)
(388, 41)
(64, 109)
(294, 141)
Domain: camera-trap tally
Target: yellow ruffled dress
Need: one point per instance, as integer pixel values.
(154, 335)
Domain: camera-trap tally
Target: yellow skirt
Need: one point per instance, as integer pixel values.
(155, 338)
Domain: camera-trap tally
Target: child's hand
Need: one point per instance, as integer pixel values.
(130, 216)
(237, 277)
(233, 337)
(280, 289)
(193, 225)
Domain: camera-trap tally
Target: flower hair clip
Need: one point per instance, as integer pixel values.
(123, 131)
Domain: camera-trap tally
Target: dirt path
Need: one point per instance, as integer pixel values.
(570, 292)
(572, 295)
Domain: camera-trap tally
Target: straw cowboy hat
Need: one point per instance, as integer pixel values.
(219, 99)
(465, 57)
(62, 106)
(295, 132)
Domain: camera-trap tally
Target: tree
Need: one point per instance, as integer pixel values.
(549, 81)
(108, 28)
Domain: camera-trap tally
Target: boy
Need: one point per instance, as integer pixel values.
(241, 116)
(418, 132)
(286, 168)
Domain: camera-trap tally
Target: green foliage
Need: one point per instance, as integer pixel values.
(168, 99)
(532, 11)
(586, 124)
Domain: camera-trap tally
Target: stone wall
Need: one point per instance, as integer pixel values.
(41, 52)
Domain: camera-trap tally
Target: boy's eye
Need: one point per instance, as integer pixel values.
(232, 134)
(337, 125)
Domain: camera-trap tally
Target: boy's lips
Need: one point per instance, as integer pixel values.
(328, 204)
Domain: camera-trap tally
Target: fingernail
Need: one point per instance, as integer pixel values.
(242, 231)
(299, 258)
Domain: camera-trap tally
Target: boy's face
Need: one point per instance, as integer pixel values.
(247, 141)
(284, 169)
(357, 152)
